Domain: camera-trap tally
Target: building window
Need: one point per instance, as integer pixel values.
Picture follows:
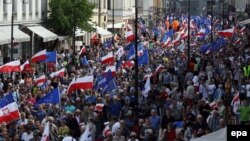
(109, 5)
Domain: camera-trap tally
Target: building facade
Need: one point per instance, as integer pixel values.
(100, 16)
(25, 12)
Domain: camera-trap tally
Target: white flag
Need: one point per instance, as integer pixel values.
(119, 53)
(45, 136)
(147, 88)
(86, 136)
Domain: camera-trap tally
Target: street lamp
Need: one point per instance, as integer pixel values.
(12, 31)
(189, 19)
(136, 50)
(212, 18)
(113, 22)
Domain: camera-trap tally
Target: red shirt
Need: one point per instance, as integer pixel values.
(171, 135)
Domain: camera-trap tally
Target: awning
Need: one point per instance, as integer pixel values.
(18, 35)
(102, 31)
(116, 25)
(244, 22)
(80, 32)
(44, 33)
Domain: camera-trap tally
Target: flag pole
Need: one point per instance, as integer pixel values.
(60, 102)
(136, 52)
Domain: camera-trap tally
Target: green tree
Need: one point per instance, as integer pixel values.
(64, 14)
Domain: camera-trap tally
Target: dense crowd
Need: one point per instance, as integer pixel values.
(182, 104)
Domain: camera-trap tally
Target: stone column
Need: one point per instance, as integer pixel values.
(1, 10)
(39, 9)
(19, 10)
(33, 9)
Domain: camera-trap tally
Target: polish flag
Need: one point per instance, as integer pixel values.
(147, 76)
(45, 136)
(99, 107)
(106, 130)
(109, 58)
(185, 36)
(158, 69)
(201, 33)
(177, 39)
(82, 51)
(25, 66)
(8, 109)
(112, 69)
(128, 64)
(182, 33)
(168, 43)
(81, 83)
(238, 41)
(13, 66)
(38, 57)
(236, 99)
(130, 37)
(40, 80)
(226, 33)
(212, 105)
(59, 73)
(242, 30)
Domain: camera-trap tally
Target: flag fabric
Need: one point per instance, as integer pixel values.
(50, 57)
(39, 57)
(83, 50)
(181, 47)
(128, 64)
(108, 44)
(158, 69)
(201, 33)
(112, 69)
(106, 130)
(147, 88)
(59, 73)
(107, 59)
(212, 104)
(8, 109)
(85, 60)
(81, 83)
(52, 97)
(228, 33)
(236, 99)
(109, 83)
(147, 76)
(14, 66)
(144, 59)
(40, 80)
(25, 66)
(131, 52)
(86, 136)
(45, 136)
(99, 107)
(129, 35)
(119, 53)
(242, 30)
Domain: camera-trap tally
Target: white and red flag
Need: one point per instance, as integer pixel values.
(45, 136)
(8, 109)
(39, 57)
(82, 51)
(13, 66)
(228, 33)
(128, 64)
(26, 66)
(112, 69)
(107, 59)
(40, 80)
(59, 73)
(81, 83)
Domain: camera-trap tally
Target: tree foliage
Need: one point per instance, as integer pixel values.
(65, 13)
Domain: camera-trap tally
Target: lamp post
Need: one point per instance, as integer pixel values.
(136, 50)
(212, 18)
(12, 32)
(113, 22)
(99, 13)
(74, 27)
(188, 51)
(223, 14)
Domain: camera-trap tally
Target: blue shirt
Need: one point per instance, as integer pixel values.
(115, 108)
(155, 121)
(70, 108)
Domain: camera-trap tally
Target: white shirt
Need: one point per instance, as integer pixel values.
(27, 137)
(68, 138)
(196, 80)
(115, 127)
(248, 90)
